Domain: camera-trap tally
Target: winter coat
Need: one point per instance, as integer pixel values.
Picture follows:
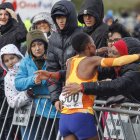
(2, 97)
(99, 31)
(13, 32)
(60, 48)
(136, 32)
(15, 98)
(128, 84)
(25, 80)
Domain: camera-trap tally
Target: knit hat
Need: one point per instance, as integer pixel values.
(6, 5)
(35, 35)
(133, 45)
(121, 46)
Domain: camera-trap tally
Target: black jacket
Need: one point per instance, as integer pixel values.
(128, 84)
(99, 31)
(60, 48)
(2, 97)
(12, 33)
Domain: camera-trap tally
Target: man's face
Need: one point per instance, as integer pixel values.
(61, 21)
(89, 20)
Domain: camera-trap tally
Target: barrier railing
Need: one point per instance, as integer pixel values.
(117, 122)
(27, 124)
(114, 122)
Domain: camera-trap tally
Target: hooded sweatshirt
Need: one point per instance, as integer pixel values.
(60, 48)
(65, 8)
(15, 98)
(99, 30)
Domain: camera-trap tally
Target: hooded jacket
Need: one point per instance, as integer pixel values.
(25, 77)
(128, 84)
(15, 98)
(99, 31)
(43, 16)
(60, 48)
(13, 32)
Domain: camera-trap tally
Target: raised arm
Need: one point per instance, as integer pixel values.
(120, 61)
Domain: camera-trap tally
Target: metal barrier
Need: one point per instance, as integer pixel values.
(26, 124)
(119, 122)
(122, 122)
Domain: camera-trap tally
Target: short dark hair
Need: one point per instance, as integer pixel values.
(119, 28)
(79, 41)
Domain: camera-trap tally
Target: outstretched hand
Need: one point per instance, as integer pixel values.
(71, 89)
(43, 75)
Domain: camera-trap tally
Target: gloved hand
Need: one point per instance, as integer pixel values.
(12, 13)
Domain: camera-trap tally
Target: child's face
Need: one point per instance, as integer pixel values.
(10, 60)
(61, 21)
(37, 48)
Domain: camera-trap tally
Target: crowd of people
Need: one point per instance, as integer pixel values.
(62, 68)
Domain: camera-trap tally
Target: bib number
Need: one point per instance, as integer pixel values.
(73, 101)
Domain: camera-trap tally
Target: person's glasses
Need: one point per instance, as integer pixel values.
(113, 40)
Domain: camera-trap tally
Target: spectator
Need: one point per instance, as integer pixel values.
(43, 22)
(116, 32)
(10, 60)
(136, 32)
(91, 14)
(12, 28)
(3, 109)
(60, 49)
(26, 78)
(109, 19)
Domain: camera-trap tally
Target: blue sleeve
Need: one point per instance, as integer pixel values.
(23, 80)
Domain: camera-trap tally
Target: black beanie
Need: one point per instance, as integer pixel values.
(133, 45)
(6, 5)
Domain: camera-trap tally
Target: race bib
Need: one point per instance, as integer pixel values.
(73, 101)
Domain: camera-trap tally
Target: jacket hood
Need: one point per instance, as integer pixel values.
(35, 35)
(6, 5)
(43, 16)
(133, 45)
(65, 8)
(9, 49)
(94, 8)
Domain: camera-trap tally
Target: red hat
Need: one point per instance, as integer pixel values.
(121, 46)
